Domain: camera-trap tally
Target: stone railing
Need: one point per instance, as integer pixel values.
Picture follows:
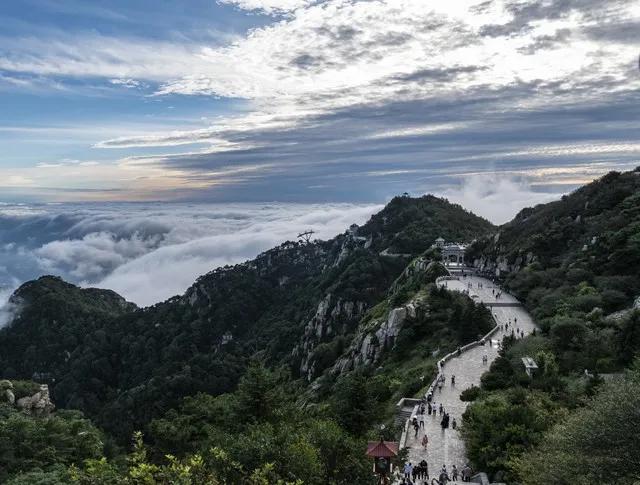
(440, 279)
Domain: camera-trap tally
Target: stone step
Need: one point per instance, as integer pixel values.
(402, 416)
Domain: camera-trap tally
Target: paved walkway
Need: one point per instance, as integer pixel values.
(446, 446)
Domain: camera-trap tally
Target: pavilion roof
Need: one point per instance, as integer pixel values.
(384, 449)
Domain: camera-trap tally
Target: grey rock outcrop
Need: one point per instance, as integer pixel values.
(333, 317)
(369, 345)
(39, 404)
(6, 392)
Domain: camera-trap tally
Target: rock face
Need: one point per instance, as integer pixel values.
(369, 345)
(501, 264)
(334, 316)
(39, 404)
(6, 392)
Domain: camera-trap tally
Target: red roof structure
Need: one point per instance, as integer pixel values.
(382, 449)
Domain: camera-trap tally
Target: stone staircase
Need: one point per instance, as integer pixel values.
(404, 409)
(402, 416)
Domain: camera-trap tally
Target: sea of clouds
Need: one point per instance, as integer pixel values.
(150, 252)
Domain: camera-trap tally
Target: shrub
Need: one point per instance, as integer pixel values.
(470, 394)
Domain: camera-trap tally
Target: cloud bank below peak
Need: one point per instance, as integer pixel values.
(150, 252)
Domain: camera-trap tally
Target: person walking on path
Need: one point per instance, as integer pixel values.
(466, 473)
(421, 421)
(454, 425)
(441, 409)
(425, 441)
(454, 473)
(453, 381)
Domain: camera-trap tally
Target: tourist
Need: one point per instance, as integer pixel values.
(421, 421)
(416, 428)
(425, 470)
(408, 470)
(425, 441)
(441, 409)
(453, 381)
(454, 473)
(444, 477)
(454, 424)
(429, 409)
(466, 473)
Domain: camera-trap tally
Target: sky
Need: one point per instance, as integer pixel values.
(315, 101)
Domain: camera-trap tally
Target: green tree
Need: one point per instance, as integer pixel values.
(598, 443)
(354, 402)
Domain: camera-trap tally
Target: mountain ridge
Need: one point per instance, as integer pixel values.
(280, 306)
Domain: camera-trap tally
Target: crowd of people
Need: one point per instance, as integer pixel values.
(414, 474)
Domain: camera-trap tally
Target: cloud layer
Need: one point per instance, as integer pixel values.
(149, 253)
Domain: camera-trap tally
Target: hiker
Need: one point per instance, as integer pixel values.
(425, 441)
(454, 473)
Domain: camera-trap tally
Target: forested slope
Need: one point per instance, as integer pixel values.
(575, 263)
(298, 306)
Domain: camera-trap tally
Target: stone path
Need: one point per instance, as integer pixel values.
(446, 446)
